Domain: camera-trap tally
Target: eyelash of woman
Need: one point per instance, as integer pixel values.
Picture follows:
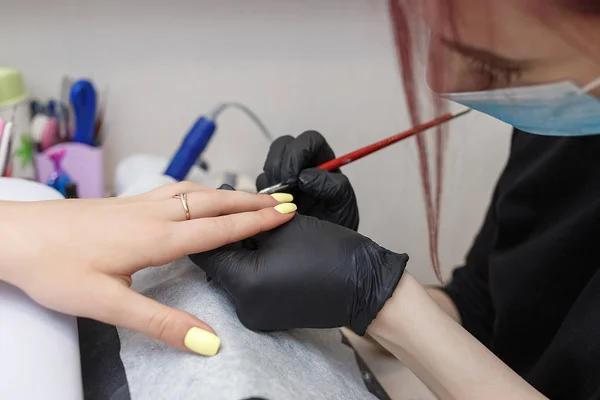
(496, 76)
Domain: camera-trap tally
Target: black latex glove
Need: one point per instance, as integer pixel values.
(307, 273)
(325, 195)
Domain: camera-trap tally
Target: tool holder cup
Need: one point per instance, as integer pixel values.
(83, 163)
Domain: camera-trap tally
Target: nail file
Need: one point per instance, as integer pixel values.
(58, 110)
(65, 92)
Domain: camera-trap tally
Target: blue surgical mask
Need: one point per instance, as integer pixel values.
(555, 109)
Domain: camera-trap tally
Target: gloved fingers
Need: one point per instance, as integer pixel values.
(226, 265)
(309, 150)
(121, 306)
(205, 260)
(226, 187)
(326, 186)
(262, 182)
(275, 159)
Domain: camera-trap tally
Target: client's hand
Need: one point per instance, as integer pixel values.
(77, 256)
(307, 273)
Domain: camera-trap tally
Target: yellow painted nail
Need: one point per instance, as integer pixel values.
(283, 197)
(202, 342)
(286, 208)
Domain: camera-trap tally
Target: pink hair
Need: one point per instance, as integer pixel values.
(404, 35)
(407, 36)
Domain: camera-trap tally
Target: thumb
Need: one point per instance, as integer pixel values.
(129, 309)
(261, 182)
(324, 185)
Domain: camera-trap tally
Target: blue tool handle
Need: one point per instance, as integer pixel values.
(83, 98)
(192, 146)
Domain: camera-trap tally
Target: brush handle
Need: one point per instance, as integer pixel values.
(365, 151)
(372, 148)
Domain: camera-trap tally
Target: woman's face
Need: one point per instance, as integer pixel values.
(491, 44)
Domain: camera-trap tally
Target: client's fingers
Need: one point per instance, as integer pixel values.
(168, 191)
(176, 328)
(205, 234)
(214, 203)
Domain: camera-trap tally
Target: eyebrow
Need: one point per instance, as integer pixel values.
(484, 55)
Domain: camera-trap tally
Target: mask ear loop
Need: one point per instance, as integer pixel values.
(591, 86)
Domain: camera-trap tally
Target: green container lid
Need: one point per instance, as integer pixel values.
(12, 88)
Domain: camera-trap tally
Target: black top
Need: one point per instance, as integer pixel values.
(530, 289)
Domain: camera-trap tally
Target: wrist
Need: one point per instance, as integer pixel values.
(451, 362)
(384, 271)
(408, 305)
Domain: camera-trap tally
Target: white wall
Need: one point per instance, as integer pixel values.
(311, 64)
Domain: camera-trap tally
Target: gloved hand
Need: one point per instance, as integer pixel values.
(307, 273)
(325, 195)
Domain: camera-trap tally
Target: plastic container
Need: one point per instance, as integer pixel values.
(83, 163)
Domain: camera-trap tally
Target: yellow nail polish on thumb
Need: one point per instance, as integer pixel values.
(202, 342)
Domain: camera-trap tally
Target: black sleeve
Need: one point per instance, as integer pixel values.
(469, 288)
(569, 367)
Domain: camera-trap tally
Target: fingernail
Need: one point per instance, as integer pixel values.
(202, 342)
(286, 208)
(283, 197)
